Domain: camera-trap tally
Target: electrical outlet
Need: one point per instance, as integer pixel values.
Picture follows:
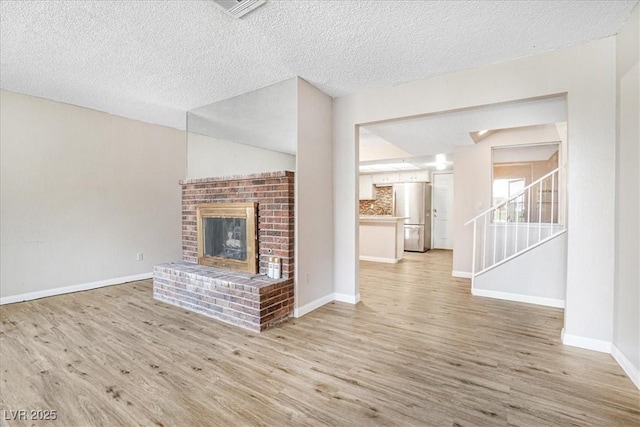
(306, 278)
(139, 256)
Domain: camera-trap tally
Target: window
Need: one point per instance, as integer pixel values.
(503, 189)
(514, 169)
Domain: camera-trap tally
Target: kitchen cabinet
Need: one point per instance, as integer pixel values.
(390, 178)
(367, 190)
(386, 178)
(415, 176)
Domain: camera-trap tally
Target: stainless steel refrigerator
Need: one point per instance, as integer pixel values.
(412, 200)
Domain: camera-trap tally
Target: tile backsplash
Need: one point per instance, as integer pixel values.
(382, 205)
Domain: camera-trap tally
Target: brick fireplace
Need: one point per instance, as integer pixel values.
(252, 301)
(274, 193)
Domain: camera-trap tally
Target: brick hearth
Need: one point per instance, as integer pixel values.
(253, 302)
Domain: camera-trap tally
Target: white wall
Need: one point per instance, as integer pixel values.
(587, 74)
(473, 182)
(211, 157)
(82, 192)
(537, 276)
(314, 200)
(381, 152)
(626, 338)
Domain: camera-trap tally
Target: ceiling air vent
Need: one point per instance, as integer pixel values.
(238, 8)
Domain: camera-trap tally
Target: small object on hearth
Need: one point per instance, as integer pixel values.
(270, 268)
(276, 268)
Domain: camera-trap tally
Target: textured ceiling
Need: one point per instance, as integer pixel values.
(154, 60)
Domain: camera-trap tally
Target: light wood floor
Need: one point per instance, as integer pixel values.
(418, 350)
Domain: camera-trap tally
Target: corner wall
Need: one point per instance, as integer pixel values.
(82, 193)
(314, 200)
(626, 336)
(587, 74)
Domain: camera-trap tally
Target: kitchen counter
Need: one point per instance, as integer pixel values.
(381, 238)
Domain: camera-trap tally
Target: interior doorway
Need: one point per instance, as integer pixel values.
(435, 147)
(442, 211)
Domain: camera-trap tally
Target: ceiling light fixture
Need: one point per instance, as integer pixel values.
(441, 162)
(482, 132)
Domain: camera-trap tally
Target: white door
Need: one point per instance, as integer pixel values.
(443, 211)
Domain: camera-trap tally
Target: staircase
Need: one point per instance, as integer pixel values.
(527, 219)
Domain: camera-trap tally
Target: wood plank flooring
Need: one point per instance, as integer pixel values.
(418, 350)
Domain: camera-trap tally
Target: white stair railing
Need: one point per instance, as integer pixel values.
(525, 220)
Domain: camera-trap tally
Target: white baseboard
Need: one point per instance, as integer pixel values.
(604, 347)
(307, 308)
(378, 259)
(631, 371)
(586, 343)
(347, 298)
(548, 302)
(74, 288)
(461, 274)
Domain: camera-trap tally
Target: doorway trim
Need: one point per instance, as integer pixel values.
(433, 191)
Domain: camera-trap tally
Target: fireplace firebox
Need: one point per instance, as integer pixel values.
(227, 236)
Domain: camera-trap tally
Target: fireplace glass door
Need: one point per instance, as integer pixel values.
(227, 235)
(225, 238)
